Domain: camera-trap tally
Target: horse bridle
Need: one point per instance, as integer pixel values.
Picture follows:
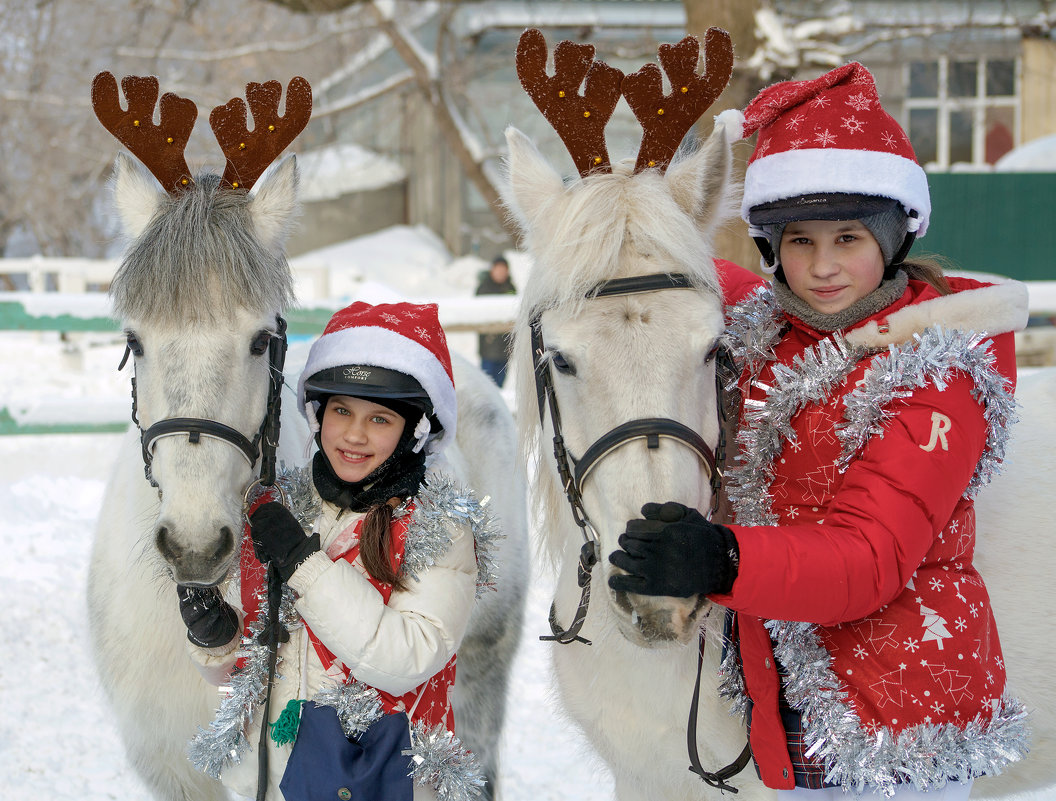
(263, 444)
(574, 472)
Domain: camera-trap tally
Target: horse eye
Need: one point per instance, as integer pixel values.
(562, 364)
(133, 343)
(260, 343)
(712, 353)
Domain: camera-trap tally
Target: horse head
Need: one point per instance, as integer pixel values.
(200, 292)
(617, 361)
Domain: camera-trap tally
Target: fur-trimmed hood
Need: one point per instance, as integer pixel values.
(973, 306)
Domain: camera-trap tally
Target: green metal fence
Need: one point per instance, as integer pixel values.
(994, 222)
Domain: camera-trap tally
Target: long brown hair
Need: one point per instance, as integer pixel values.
(375, 543)
(929, 269)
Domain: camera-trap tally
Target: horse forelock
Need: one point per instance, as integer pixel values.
(613, 226)
(200, 258)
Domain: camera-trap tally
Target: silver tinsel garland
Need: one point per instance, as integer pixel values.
(358, 705)
(931, 358)
(221, 745)
(439, 760)
(442, 500)
(438, 756)
(927, 756)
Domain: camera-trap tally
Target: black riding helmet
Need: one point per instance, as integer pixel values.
(395, 390)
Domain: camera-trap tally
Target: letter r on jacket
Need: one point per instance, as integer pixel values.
(940, 424)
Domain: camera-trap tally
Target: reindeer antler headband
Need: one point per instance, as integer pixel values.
(580, 119)
(160, 147)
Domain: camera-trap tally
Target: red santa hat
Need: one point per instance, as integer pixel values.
(401, 337)
(829, 136)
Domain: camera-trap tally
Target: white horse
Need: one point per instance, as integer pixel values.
(616, 359)
(199, 293)
(647, 355)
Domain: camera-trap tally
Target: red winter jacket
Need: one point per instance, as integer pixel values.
(877, 556)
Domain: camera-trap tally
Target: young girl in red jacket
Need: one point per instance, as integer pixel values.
(381, 566)
(865, 653)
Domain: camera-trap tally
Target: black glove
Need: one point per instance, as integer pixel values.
(278, 538)
(674, 551)
(210, 620)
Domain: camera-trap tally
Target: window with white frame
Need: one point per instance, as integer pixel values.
(962, 110)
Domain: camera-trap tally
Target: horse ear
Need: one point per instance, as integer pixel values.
(701, 183)
(137, 195)
(273, 203)
(532, 184)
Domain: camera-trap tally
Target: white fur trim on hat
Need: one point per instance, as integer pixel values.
(814, 170)
(381, 347)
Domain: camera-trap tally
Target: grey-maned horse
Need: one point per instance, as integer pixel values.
(199, 293)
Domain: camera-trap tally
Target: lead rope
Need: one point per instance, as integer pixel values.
(719, 777)
(274, 633)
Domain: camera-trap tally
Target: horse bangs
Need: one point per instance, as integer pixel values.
(587, 237)
(200, 258)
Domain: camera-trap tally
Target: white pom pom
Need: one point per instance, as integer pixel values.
(421, 433)
(733, 121)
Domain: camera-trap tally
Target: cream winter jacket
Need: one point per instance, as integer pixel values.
(394, 647)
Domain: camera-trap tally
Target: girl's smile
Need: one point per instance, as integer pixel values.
(358, 435)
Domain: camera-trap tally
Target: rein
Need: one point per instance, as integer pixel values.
(263, 444)
(574, 472)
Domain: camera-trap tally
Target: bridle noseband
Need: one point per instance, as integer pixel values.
(263, 444)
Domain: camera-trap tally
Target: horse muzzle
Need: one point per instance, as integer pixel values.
(204, 563)
(654, 621)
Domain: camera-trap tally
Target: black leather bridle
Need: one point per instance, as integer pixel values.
(574, 472)
(264, 442)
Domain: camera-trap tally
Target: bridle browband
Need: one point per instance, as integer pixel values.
(264, 442)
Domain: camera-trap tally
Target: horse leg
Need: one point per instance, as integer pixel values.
(485, 459)
(485, 660)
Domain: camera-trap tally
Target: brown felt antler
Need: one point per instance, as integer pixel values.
(160, 147)
(250, 152)
(665, 119)
(579, 119)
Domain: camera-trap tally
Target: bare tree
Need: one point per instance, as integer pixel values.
(54, 156)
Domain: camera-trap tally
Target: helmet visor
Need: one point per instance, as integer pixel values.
(822, 206)
(364, 381)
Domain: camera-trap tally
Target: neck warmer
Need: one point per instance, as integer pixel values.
(880, 298)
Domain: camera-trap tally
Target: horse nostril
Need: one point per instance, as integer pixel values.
(165, 547)
(226, 545)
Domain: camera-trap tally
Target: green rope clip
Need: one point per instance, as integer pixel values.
(284, 730)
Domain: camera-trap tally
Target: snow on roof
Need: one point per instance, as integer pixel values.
(410, 259)
(339, 169)
(1038, 155)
